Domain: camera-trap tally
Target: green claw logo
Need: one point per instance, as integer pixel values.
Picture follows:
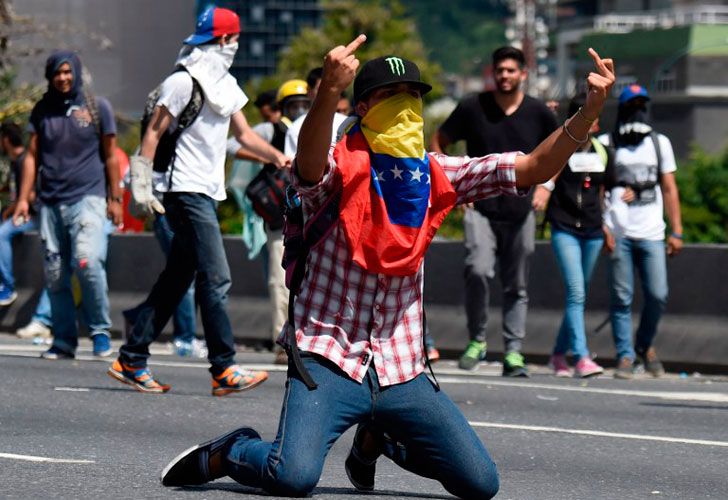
(396, 65)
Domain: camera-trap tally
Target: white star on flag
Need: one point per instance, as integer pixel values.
(397, 172)
(417, 175)
(428, 178)
(380, 176)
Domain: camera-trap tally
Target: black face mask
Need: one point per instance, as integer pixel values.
(632, 125)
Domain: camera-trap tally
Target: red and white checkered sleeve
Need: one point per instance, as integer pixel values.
(314, 195)
(484, 177)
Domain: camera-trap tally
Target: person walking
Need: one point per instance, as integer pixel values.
(358, 314)
(573, 200)
(195, 185)
(72, 145)
(502, 228)
(645, 182)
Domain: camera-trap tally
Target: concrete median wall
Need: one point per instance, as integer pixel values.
(693, 333)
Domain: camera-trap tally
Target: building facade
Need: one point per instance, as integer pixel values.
(268, 26)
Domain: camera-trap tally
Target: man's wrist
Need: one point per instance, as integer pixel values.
(676, 235)
(549, 185)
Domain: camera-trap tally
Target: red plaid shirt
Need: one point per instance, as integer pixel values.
(353, 317)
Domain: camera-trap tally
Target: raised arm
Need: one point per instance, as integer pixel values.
(340, 66)
(551, 155)
(255, 144)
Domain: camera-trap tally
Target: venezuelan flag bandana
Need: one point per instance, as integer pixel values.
(395, 196)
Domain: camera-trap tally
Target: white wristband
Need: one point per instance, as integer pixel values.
(549, 184)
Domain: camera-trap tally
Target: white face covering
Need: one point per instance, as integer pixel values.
(227, 52)
(209, 65)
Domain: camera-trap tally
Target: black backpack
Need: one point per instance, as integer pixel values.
(267, 190)
(166, 149)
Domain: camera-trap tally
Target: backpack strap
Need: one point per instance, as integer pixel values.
(187, 117)
(600, 150)
(314, 232)
(658, 152)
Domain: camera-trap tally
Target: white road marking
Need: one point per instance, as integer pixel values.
(72, 389)
(712, 397)
(583, 432)
(31, 458)
(477, 378)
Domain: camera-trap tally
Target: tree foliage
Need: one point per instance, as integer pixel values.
(461, 34)
(703, 185)
(388, 28)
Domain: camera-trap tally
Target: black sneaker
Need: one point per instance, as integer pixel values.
(192, 466)
(361, 472)
(514, 365)
(652, 364)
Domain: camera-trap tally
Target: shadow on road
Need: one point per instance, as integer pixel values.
(324, 490)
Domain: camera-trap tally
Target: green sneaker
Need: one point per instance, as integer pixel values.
(514, 365)
(474, 354)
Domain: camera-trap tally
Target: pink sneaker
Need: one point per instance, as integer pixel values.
(586, 367)
(558, 364)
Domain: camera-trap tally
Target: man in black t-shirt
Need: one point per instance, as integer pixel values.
(491, 122)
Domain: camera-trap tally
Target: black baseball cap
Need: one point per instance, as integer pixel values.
(387, 70)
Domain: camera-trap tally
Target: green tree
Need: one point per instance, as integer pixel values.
(387, 25)
(703, 185)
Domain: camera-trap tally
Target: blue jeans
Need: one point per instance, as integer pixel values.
(649, 259)
(184, 316)
(8, 231)
(433, 437)
(76, 241)
(196, 253)
(576, 258)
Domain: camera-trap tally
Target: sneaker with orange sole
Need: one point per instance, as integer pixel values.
(140, 379)
(236, 379)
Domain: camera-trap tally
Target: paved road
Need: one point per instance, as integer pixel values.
(551, 438)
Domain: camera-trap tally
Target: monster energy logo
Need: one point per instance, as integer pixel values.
(396, 65)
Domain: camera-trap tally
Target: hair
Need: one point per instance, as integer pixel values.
(13, 132)
(267, 98)
(507, 52)
(314, 76)
(577, 102)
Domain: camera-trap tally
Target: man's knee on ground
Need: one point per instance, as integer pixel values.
(294, 478)
(483, 486)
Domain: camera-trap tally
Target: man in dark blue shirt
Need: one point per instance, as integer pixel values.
(72, 146)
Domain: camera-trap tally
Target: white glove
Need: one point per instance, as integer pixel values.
(143, 202)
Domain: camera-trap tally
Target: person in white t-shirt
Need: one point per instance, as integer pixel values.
(195, 183)
(635, 230)
(292, 100)
(312, 80)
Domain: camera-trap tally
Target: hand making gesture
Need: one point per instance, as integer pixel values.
(600, 85)
(340, 66)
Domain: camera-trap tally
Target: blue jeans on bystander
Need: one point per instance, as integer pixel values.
(196, 253)
(576, 257)
(184, 316)
(76, 240)
(433, 438)
(8, 231)
(649, 259)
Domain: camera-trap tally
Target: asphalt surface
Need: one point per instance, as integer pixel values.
(551, 438)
